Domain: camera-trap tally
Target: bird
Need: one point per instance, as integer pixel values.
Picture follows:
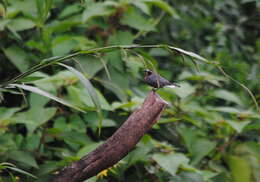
(156, 81)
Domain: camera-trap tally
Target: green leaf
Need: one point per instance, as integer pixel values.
(189, 136)
(229, 96)
(88, 148)
(60, 27)
(170, 162)
(199, 147)
(27, 7)
(7, 113)
(121, 38)
(18, 57)
(81, 97)
(91, 90)
(3, 24)
(70, 10)
(118, 78)
(46, 94)
(87, 84)
(207, 175)
(43, 9)
(163, 5)
(142, 6)
(35, 117)
(240, 169)
(238, 126)
(96, 10)
(78, 124)
(117, 90)
(187, 177)
(135, 19)
(231, 110)
(48, 167)
(63, 45)
(20, 24)
(249, 148)
(138, 154)
(23, 157)
(203, 76)
(235, 111)
(115, 58)
(33, 140)
(29, 79)
(55, 82)
(184, 91)
(21, 171)
(188, 53)
(75, 139)
(90, 65)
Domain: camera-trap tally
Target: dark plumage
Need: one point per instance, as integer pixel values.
(156, 81)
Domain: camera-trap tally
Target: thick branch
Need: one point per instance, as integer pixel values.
(118, 145)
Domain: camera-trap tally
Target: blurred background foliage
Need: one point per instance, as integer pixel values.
(211, 131)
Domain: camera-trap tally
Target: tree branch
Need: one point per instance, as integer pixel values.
(118, 145)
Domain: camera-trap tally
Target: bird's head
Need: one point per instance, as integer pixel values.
(147, 72)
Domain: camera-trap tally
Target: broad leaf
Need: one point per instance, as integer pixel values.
(35, 117)
(229, 96)
(170, 162)
(163, 5)
(187, 177)
(238, 125)
(20, 24)
(96, 10)
(23, 157)
(199, 147)
(18, 57)
(134, 19)
(91, 90)
(184, 91)
(240, 168)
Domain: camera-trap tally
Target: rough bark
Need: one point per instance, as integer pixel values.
(118, 145)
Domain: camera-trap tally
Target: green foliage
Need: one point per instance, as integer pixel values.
(51, 113)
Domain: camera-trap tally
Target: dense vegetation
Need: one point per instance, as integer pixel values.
(211, 131)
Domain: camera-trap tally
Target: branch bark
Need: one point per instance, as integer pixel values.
(118, 145)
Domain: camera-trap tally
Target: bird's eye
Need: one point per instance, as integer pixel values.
(148, 72)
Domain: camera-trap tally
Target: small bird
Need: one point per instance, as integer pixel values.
(156, 81)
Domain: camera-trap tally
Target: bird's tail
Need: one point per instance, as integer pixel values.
(174, 85)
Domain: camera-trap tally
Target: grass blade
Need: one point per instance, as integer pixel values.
(91, 90)
(105, 67)
(188, 53)
(46, 94)
(21, 171)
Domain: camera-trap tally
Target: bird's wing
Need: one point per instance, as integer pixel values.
(166, 83)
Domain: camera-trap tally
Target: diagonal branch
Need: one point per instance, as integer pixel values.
(118, 145)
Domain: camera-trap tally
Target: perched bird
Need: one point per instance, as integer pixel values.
(156, 81)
